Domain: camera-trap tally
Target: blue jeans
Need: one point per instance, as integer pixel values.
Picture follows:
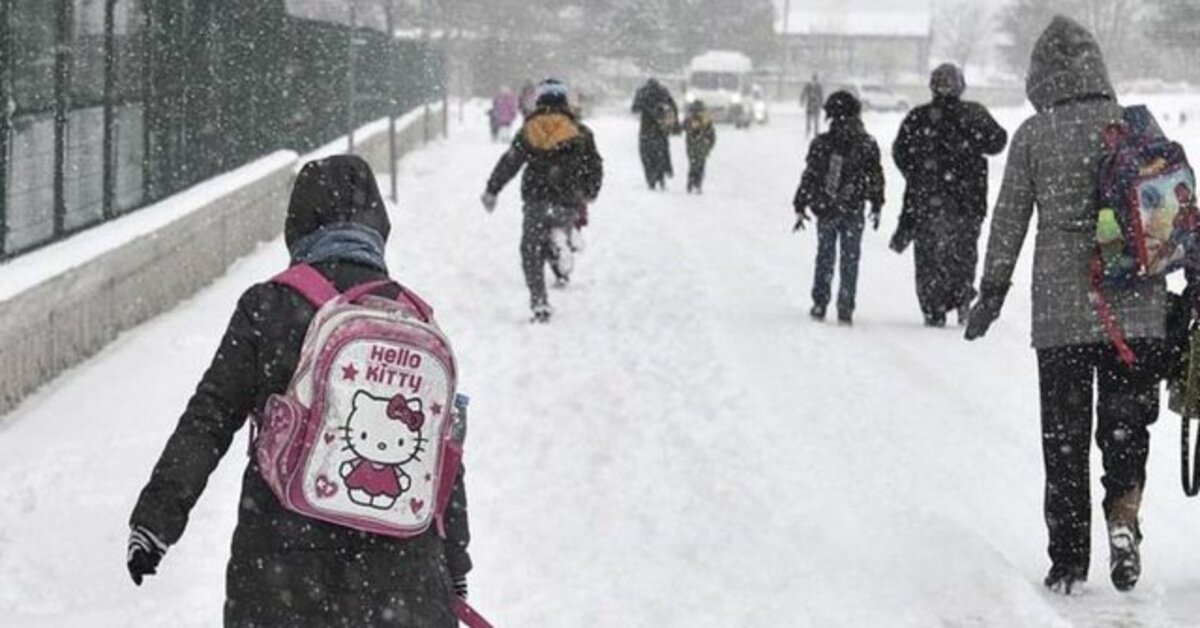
(848, 230)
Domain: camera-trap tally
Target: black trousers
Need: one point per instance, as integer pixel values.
(536, 249)
(1126, 404)
(696, 171)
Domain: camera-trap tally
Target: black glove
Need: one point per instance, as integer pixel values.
(146, 550)
(985, 311)
(876, 211)
(460, 586)
(801, 218)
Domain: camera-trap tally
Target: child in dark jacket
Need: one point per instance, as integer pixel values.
(701, 137)
(563, 171)
(842, 174)
(287, 569)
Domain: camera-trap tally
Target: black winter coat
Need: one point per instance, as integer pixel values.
(286, 569)
(941, 150)
(659, 113)
(562, 165)
(829, 189)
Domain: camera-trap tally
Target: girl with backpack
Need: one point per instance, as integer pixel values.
(1054, 164)
(285, 568)
(842, 175)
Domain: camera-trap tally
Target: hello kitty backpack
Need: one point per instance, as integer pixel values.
(368, 434)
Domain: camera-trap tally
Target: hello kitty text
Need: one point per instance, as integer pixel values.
(393, 367)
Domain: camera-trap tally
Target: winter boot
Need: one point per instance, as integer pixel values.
(845, 318)
(935, 319)
(1065, 580)
(562, 260)
(964, 312)
(817, 313)
(541, 313)
(1124, 537)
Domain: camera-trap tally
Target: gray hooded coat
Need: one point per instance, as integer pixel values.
(1053, 165)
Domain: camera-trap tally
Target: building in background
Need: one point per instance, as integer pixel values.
(886, 47)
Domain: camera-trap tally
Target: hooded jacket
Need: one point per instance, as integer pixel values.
(286, 569)
(941, 150)
(1053, 165)
(562, 166)
(860, 181)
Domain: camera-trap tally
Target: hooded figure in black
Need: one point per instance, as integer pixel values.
(659, 119)
(842, 175)
(563, 173)
(942, 152)
(286, 569)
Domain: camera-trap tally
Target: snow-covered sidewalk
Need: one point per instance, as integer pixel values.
(680, 447)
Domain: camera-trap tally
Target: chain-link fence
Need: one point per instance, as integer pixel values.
(108, 105)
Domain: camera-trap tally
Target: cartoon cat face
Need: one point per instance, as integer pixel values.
(385, 431)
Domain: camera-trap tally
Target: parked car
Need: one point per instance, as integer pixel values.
(879, 98)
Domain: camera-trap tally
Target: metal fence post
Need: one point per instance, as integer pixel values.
(62, 81)
(350, 77)
(390, 9)
(110, 69)
(7, 105)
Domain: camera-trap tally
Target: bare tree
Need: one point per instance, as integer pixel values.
(962, 29)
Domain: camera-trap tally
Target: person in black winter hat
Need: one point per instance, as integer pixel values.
(942, 150)
(286, 569)
(842, 175)
(563, 172)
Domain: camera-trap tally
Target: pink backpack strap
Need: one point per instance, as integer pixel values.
(467, 615)
(418, 304)
(309, 282)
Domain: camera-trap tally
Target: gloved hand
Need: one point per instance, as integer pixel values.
(460, 586)
(489, 201)
(900, 240)
(146, 550)
(985, 311)
(801, 218)
(876, 211)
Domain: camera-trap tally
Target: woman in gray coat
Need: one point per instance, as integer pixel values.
(1053, 164)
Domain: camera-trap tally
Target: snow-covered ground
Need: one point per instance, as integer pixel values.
(680, 447)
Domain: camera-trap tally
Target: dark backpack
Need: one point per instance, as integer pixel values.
(839, 179)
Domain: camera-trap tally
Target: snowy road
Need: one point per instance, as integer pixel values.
(681, 447)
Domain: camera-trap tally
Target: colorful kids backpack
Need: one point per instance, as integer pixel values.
(369, 433)
(1147, 222)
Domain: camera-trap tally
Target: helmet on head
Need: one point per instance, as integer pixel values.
(842, 104)
(947, 80)
(552, 93)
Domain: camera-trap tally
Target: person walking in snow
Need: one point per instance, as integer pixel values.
(503, 113)
(701, 136)
(286, 569)
(659, 119)
(1053, 166)
(563, 171)
(812, 98)
(942, 150)
(842, 175)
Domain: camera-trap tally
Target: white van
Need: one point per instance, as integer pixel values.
(721, 78)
